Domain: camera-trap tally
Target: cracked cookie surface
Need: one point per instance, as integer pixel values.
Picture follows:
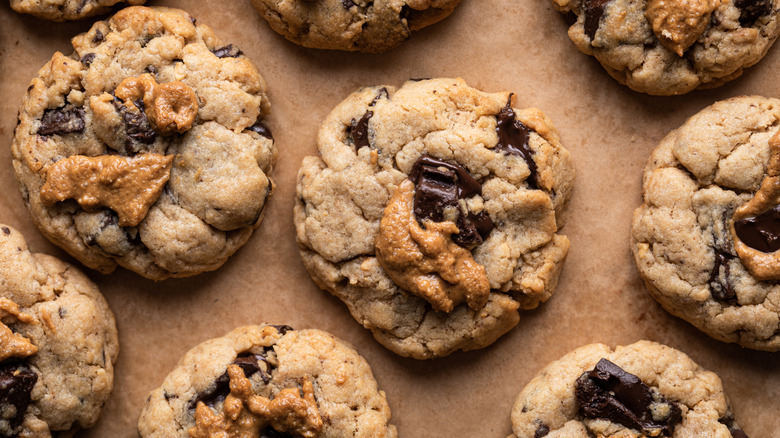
(492, 180)
(66, 10)
(555, 404)
(61, 384)
(352, 25)
(275, 360)
(147, 87)
(683, 237)
(669, 47)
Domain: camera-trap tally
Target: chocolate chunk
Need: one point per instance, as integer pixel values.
(613, 394)
(98, 36)
(229, 51)
(271, 433)
(88, 58)
(283, 329)
(720, 286)
(761, 232)
(249, 363)
(593, 9)
(359, 130)
(736, 432)
(541, 431)
(439, 185)
(151, 69)
(260, 128)
(16, 383)
(139, 130)
(6, 231)
(752, 10)
(513, 138)
(347, 4)
(63, 120)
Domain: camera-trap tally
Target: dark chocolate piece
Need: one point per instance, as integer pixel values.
(611, 393)
(271, 433)
(761, 232)
(439, 185)
(360, 130)
(88, 58)
(249, 363)
(720, 287)
(63, 120)
(139, 130)
(735, 430)
(541, 431)
(151, 69)
(513, 138)
(260, 128)
(229, 51)
(283, 329)
(348, 4)
(98, 36)
(752, 10)
(6, 230)
(16, 383)
(593, 10)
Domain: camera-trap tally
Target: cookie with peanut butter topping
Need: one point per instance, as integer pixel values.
(268, 381)
(707, 239)
(433, 212)
(146, 147)
(58, 344)
(670, 47)
(66, 10)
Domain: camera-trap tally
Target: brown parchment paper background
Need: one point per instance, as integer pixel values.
(514, 45)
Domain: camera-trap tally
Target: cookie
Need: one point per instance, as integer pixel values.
(58, 344)
(433, 212)
(269, 381)
(643, 389)
(66, 10)
(705, 240)
(669, 47)
(352, 25)
(146, 146)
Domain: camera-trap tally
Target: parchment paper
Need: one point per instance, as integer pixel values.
(495, 45)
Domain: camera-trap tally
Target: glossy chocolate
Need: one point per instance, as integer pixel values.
(593, 10)
(513, 138)
(359, 128)
(611, 393)
(260, 128)
(139, 130)
(761, 232)
(16, 384)
(249, 363)
(63, 120)
(720, 287)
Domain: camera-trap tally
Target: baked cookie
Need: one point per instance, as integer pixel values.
(269, 381)
(433, 212)
(352, 25)
(146, 146)
(641, 390)
(66, 10)
(668, 47)
(58, 344)
(705, 240)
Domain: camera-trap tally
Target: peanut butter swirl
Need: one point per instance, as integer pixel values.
(679, 23)
(427, 262)
(170, 107)
(127, 185)
(246, 414)
(11, 344)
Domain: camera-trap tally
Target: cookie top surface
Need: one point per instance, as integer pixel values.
(647, 389)
(66, 10)
(702, 181)
(352, 25)
(277, 361)
(59, 343)
(145, 147)
(668, 47)
(433, 212)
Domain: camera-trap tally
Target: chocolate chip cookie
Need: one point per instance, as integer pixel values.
(643, 389)
(269, 381)
(352, 25)
(58, 344)
(146, 146)
(433, 212)
(706, 239)
(668, 47)
(65, 10)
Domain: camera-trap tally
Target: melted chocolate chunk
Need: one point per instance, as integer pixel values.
(736, 432)
(359, 128)
(249, 363)
(720, 287)
(752, 10)
(98, 36)
(260, 128)
(229, 51)
(16, 383)
(88, 58)
(761, 232)
(347, 4)
(439, 185)
(139, 130)
(513, 138)
(63, 120)
(541, 431)
(611, 393)
(593, 9)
